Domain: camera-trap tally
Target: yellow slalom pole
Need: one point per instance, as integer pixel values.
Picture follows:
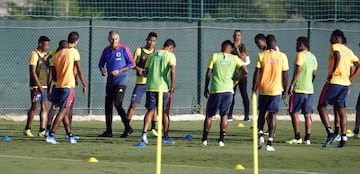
(159, 137)
(255, 133)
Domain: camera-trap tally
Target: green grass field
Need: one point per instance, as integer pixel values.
(117, 155)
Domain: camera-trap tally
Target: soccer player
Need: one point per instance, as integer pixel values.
(118, 60)
(65, 62)
(240, 50)
(140, 57)
(301, 89)
(52, 84)
(157, 67)
(271, 77)
(38, 66)
(221, 68)
(336, 88)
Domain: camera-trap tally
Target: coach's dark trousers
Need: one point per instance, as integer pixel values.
(115, 96)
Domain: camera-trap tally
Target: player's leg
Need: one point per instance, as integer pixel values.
(166, 119)
(262, 102)
(151, 103)
(225, 102)
(245, 98)
(343, 126)
(35, 99)
(336, 124)
(325, 98)
(109, 99)
(65, 99)
(43, 113)
(211, 108)
(341, 105)
(43, 119)
(52, 110)
(136, 96)
(272, 108)
(295, 104)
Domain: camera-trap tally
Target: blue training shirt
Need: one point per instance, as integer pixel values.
(115, 59)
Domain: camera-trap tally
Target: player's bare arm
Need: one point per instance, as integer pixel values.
(284, 83)
(255, 80)
(81, 76)
(356, 71)
(294, 79)
(207, 81)
(173, 78)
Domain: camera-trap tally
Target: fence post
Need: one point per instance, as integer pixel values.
(199, 53)
(89, 103)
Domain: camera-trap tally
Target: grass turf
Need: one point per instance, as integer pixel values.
(117, 155)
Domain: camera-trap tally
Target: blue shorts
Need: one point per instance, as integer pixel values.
(138, 93)
(53, 91)
(219, 101)
(37, 97)
(64, 97)
(333, 94)
(358, 101)
(269, 103)
(300, 101)
(152, 100)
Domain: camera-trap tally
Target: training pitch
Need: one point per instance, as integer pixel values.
(117, 155)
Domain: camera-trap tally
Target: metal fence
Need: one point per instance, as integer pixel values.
(194, 46)
(197, 26)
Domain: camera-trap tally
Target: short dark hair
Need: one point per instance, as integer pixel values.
(237, 31)
(62, 44)
(152, 34)
(73, 37)
(169, 42)
(271, 41)
(338, 32)
(224, 44)
(43, 39)
(260, 36)
(304, 40)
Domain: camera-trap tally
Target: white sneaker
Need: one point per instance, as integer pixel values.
(51, 139)
(260, 142)
(144, 138)
(221, 144)
(357, 136)
(154, 132)
(205, 143)
(295, 141)
(270, 148)
(308, 142)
